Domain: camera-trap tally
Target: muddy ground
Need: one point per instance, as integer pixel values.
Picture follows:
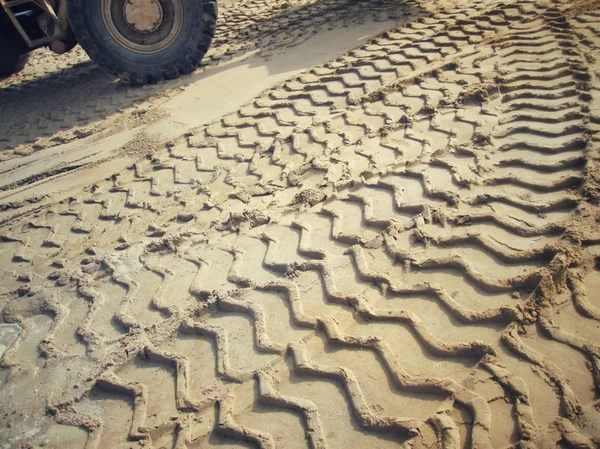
(357, 224)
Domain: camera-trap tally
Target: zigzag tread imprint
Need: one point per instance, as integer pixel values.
(433, 303)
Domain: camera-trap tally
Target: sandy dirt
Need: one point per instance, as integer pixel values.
(358, 225)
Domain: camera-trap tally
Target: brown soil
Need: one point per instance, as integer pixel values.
(359, 224)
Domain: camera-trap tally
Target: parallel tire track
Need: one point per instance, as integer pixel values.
(371, 247)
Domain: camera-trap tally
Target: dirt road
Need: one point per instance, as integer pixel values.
(358, 224)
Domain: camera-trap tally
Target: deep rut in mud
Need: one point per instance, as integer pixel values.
(397, 248)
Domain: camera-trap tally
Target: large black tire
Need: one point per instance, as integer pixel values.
(13, 55)
(113, 43)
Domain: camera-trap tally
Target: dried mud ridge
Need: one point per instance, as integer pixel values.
(398, 248)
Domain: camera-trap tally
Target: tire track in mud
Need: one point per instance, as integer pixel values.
(37, 120)
(418, 260)
(252, 134)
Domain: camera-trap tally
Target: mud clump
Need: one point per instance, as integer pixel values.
(309, 197)
(247, 219)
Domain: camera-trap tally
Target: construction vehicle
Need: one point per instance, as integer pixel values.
(142, 41)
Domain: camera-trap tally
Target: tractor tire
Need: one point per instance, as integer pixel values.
(13, 57)
(144, 41)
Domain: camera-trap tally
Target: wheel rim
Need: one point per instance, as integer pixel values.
(143, 26)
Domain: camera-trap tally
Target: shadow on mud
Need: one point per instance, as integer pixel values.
(63, 104)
